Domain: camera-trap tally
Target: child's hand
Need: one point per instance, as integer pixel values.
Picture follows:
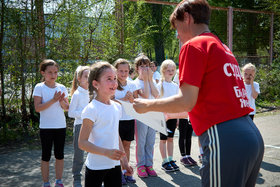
(129, 97)
(57, 96)
(150, 73)
(62, 97)
(115, 154)
(252, 79)
(145, 73)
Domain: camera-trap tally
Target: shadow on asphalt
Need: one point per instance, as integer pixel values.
(178, 178)
(270, 167)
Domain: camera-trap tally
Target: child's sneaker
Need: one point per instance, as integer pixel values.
(141, 171)
(192, 161)
(167, 167)
(151, 172)
(185, 161)
(200, 158)
(58, 185)
(174, 166)
(46, 184)
(129, 179)
(123, 180)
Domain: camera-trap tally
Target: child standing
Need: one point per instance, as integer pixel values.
(99, 133)
(252, 87)
(126, 91)
(145, 135)
(79, 100)
(50, 99)
(168, 88)
(185, 137)
(156, 74)
(132, 74)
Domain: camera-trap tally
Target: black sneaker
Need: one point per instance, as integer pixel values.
(167, 167)
(175, 167)
(192, 161)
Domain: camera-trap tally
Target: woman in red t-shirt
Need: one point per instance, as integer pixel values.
(213, 93)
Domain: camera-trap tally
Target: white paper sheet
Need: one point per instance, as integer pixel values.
(154, 120)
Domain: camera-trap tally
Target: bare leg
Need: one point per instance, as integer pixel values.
(126, 146)
(162, 148)
(59, 164)
(45, 170)
(170, 147)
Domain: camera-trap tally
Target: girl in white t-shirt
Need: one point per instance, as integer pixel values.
(252, 87)
(79, 100)
(168, 88)
(99, 135)
(50, 99)
(145, 135)
(126, 91)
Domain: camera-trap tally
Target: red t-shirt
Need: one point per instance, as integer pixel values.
(207, 63)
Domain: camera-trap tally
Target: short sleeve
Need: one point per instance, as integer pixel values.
(137, 84)
(257, 87)
(132, 86)
(65, 91)
(89, 113)
(37, 91)
(192, 66)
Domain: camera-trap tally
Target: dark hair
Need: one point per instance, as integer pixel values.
(95, 73)
(45, 63)
(156, 64)
(140, 60)
(131, 70)
(198, 9)
(116, 64)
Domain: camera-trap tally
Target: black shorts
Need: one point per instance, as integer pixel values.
(126, 129)
(110, 177)
(171, 126)
(48, 138)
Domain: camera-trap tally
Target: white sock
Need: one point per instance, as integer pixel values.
(201, 150)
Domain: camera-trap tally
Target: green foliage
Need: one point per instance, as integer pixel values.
(269, 80)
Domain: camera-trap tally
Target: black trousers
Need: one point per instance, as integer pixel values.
(185, 137)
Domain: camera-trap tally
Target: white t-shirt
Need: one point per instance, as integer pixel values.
(104, 133)
(248, 88)
(79, 101)
(52, 117)
(156, 76)
(140, 85)
(176, 78)
(169, 89)
(130, 86)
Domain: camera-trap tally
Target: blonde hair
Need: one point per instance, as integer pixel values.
(249, 66)
(95, 73)
(78, 74)
(116, 64)
(163, 67)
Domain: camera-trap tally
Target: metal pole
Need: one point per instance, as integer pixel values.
(271, 39)
(230, 27)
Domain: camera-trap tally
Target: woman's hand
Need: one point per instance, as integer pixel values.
(141, 105)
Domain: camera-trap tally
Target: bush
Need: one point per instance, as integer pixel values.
(269, 79)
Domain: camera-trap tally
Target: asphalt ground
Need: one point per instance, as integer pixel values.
(22, 167)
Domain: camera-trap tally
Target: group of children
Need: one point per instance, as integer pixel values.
(101, 126)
